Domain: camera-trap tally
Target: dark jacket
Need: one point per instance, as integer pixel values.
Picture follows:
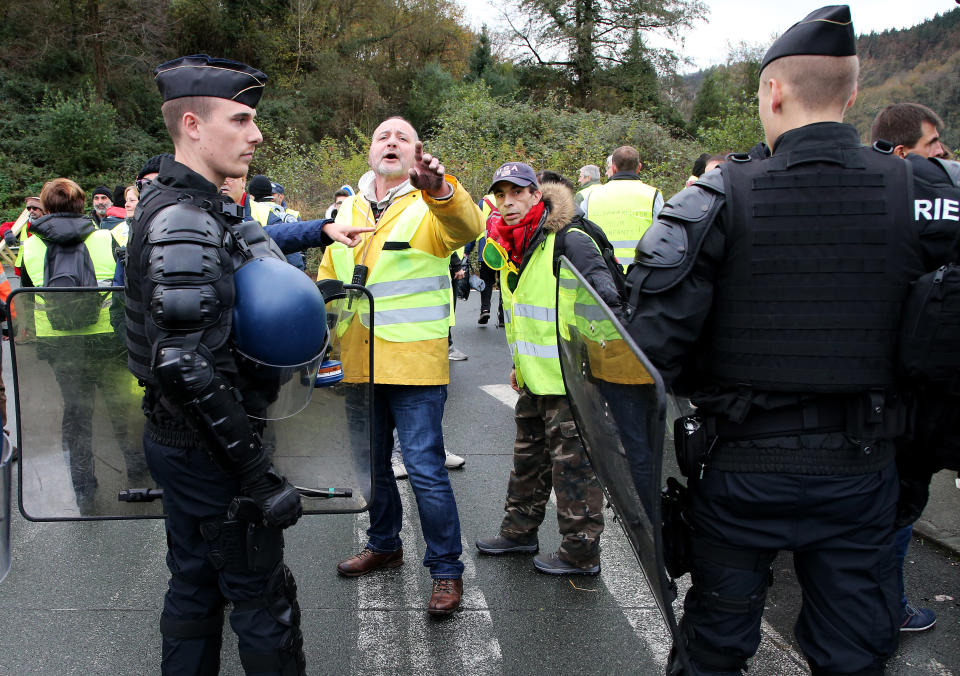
(62, 228)
(559, 214)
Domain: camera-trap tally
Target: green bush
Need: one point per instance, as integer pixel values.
(78, 134)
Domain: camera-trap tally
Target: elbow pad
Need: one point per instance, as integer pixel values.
(189, 380)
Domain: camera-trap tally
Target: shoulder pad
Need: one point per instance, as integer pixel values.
(712, 180)
(671, 244)
(952, 168)
(185, 223)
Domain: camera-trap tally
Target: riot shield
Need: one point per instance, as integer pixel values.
(326, 449)
(620, 406)
(6, 454)
(80, 423)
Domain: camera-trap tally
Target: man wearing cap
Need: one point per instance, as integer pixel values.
(200, 444)
(102, 200)
(770, 293)
(266, 212)
(537, 224)
(421, 215)
(278, 194)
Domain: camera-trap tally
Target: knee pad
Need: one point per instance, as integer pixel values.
(705, 656)
(280, 600)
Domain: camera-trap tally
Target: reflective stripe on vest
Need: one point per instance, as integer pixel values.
(121, 233)
(412, 292)
(99, 244)
(530, 323)
(624, 210)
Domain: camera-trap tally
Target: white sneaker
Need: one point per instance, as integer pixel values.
(455, 354)
(453, 461)
(399, 471)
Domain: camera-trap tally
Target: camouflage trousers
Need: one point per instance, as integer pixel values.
(548, 454)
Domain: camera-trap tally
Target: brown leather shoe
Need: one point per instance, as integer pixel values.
(368, 561)
(445, 599)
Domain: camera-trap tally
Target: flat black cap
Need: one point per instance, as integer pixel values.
(202, 75)
(827, 31)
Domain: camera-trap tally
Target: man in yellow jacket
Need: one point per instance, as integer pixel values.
(421, 216)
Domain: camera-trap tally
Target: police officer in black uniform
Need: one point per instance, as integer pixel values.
(226, 506)
(769, 292)
(935, 441)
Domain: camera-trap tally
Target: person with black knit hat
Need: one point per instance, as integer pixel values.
(102, 198)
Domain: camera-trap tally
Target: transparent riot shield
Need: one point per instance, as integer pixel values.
(80, 422)
(6, 454)
(326, 449)
(620, 406)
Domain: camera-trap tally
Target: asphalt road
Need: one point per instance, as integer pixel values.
(84, 598)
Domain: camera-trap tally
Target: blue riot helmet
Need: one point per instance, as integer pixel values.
(279, 331)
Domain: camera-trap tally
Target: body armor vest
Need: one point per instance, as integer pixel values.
(142, 331)
(819, 256)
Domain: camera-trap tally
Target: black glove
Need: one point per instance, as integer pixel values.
(10, 238)
(275, 496)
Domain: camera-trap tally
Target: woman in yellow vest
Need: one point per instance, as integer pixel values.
(536, 225)
(78, 341)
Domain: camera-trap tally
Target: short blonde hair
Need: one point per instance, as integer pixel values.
(818, 82)
(174, 110)
(134, 189)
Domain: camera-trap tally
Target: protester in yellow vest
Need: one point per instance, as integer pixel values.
(421, 216)
(624, 206)
(536, 225)
(79, 355)
(588, 179)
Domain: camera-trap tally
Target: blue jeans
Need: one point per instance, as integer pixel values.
(417, 412)
(901, 543)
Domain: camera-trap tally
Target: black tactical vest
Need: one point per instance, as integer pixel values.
(141, 331)
(820, 251)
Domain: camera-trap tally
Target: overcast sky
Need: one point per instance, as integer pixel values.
(758, 22)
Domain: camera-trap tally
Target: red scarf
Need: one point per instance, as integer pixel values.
(515, 238)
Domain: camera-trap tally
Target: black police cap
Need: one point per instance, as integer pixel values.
(827, 31)
(202, 75)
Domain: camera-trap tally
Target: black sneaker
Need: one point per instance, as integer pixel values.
(484, 317)
(552, 564)
(504, 545)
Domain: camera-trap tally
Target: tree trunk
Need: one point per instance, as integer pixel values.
(95, 38)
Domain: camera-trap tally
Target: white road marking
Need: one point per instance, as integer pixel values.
(502, 393)
(396, 635)
(621, 576)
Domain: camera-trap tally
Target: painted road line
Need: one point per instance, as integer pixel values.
(395, 634)
(502, 393)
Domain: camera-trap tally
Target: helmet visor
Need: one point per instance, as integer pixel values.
(286, 390)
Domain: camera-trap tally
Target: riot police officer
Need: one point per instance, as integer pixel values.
(183, 276)
(769, 292)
